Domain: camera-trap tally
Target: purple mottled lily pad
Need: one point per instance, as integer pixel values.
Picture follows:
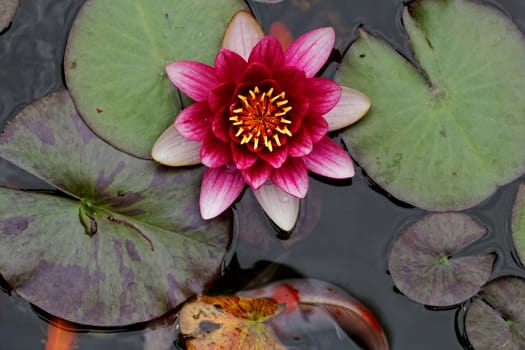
(424, 265)
(7, 11)
(496, 319)
(127, 246)
(518, 223)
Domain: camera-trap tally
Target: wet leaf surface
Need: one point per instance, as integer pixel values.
(229, 322)
(445, 134)
(116, 57)
(496, 319)
(518, 223)
(424, 265)
(7, 11)
(125, 246)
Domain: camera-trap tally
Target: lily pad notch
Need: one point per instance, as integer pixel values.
(445, 134)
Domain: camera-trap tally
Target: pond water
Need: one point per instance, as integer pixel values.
(348, 226)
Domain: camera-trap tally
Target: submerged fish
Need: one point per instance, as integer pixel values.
(315, 304)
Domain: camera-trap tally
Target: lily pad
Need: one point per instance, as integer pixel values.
(116, 57)
(424, 265)
(7, 11)
(442, 135)
(229, 322)
(518, 223)
(496, 319)
(126, 245)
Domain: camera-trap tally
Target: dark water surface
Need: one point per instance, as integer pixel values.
(348, 226)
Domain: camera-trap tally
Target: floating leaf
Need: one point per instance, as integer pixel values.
(7, 11)
(496, 319)
(423, 264)
(126, 247)
(229, 322)
(518, 222)
(443, 135)
(116, 57)
(312, 305)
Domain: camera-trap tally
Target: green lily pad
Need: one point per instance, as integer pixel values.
(445, 134)
(496, 319)
(7, 11)
(424, 265)
(115, 59)
(518, 223)
(127, 244)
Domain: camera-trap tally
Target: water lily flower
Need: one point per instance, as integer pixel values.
(260, 118)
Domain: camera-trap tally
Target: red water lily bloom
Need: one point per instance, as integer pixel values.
(260, 118)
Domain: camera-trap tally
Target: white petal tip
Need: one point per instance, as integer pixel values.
(353, 106)
(281, 208)
(207, 215)
(173, 149)
(242, 34)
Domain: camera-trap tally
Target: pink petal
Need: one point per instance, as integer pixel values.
(316, 126)
(290, 80)
(256, 175)
(292, 177)
(255, 73)
(282, 208)
(214, 153)
(220, 187)
(229, 66)
(242, 34)
(311, 50)
(330, 160)
(173, 149)
(195, 79)
(277, 157)
(242, 157)
(352, 107)
(268, 52)
(193, 122)
(221, 125)
(324, 94)
(300, 108)
(300, 144)
(220, 96)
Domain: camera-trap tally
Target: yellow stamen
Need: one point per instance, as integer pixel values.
(276, 138)
(259, 114)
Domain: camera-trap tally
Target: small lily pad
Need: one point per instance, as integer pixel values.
(229, 322)
(126, 245)
(496, 319)
(7, 11)
(518, 223)
(442, 135)
(116, 57)
(424, 265)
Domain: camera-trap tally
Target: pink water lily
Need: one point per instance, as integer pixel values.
(260, 118)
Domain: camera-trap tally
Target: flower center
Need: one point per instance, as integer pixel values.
(260, 118)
